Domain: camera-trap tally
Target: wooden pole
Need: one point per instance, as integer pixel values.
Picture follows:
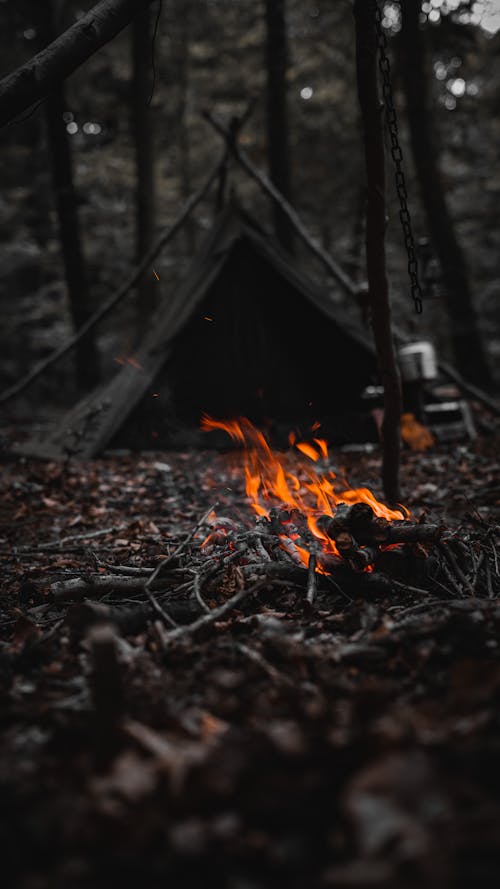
(371, 113)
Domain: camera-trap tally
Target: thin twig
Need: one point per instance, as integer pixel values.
(216, 613)
(166, 618)
(197, 593)
(159, 568)
(57, 544)
(453, 564)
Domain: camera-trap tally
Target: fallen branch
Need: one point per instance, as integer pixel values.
(216, 613)
(77, 588)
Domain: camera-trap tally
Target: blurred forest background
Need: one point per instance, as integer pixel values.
(134, 164)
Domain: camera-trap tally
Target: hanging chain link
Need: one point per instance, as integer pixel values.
(397, 157)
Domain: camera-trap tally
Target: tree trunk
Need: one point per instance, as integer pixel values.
(466, 341)
(87, 358)
(277, 117)
(371, 111)
(142, 131)
(183, 140)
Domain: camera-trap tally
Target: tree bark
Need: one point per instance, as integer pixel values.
(143, 137)
(61, 162)
(277, 116)
(465, 338)
(371, 112)
(34, 80)
(182, 68)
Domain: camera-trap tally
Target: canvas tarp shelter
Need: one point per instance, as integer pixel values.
(245, 331)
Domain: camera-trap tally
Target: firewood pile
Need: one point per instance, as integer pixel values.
(219, 564)
(356, 547)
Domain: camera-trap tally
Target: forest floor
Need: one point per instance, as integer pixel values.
(353, 742)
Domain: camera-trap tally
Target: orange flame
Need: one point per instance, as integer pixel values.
(270, 481)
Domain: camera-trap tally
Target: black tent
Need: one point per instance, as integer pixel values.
(245, 333)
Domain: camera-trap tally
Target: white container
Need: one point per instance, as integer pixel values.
(417, 361)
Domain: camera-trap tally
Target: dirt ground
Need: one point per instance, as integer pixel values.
(349, 743)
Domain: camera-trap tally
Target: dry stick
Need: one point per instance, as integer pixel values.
(216, 613)
(311, 578)
(126, 570)
(197, 593)
(181, 546)
(119, 294)
(489, 584)
(57, 544)
(77, 588)
(369, 100)
(166, 618)
(453, 564)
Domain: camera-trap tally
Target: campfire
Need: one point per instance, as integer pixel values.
(309, 517)
(305, 505)
(302, 528)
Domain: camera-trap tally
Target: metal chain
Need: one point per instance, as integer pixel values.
(397, 157)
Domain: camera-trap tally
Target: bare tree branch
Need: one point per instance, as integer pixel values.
(34, 80)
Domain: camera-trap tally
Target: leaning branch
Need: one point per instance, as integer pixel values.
(34, 80)
(119, 294)
(244, 161)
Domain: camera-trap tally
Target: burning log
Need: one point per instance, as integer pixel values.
(360, 521)
(358, 558)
